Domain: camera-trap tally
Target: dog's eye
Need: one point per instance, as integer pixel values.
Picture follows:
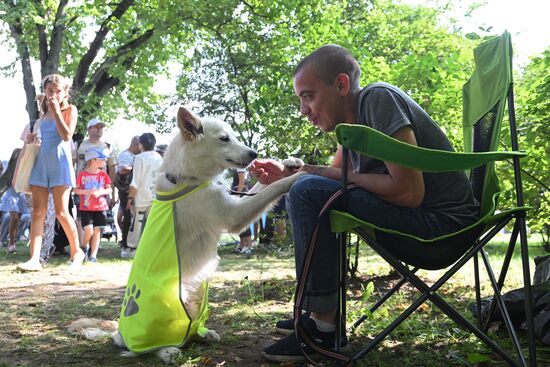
(225, 138)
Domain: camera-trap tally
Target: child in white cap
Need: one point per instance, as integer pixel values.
(93, 185)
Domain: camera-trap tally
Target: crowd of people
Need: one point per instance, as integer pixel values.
(74, 185)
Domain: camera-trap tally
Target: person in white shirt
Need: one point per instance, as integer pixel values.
(122, 182)
(142, 190)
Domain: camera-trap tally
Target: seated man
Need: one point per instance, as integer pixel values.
(16, 218)
(422, 204)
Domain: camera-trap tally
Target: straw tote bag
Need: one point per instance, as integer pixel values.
(27, 161)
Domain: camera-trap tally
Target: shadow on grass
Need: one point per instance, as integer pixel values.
(247, 297)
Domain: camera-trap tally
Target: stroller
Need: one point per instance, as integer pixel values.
(110, 229)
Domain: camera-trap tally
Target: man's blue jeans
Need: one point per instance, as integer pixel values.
(304, 202)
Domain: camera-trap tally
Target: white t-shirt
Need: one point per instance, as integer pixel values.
(125, 159)
(26, 132)
(87, 144)
(146, 165)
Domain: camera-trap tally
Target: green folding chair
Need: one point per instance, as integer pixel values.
(485, 97)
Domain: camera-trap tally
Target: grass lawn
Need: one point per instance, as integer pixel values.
(247, 296)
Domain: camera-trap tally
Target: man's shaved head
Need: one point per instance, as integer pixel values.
(331, 60)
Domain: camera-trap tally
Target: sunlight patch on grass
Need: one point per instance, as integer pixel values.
(247, 297)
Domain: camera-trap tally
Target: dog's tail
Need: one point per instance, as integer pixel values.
(93, 328)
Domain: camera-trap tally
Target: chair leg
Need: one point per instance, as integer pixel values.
(429, 292)
(503, 272)
(478, 292)
(395, 323)
(448, 310)
(528, 293)
(342, 287)
(522, 231)
(383, 299)
(503, 309)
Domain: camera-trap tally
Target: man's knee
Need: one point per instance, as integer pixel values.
(301, 186)
(312, 188)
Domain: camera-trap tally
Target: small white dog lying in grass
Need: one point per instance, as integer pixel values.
(166, 301)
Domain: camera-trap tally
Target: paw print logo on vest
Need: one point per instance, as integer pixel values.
(130, 305)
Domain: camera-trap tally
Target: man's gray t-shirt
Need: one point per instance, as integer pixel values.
(387, 108)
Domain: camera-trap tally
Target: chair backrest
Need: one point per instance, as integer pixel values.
(484, 100)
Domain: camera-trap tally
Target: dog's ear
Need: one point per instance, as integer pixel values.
(189, 124)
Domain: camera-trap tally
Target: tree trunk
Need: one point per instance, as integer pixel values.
(28, 83)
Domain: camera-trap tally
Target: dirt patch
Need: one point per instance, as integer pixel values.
(35, 309)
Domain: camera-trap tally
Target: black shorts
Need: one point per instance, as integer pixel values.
(76, 200)
(97, 219)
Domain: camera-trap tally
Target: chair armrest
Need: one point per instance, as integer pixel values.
(373, 143)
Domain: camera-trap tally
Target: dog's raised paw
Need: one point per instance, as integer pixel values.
(292, 162)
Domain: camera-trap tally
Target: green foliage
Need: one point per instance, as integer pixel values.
(533, 114)
(113, 51)
(242, 65)
(241, 70)
(408, 47)
(244, 314)
(235, 60)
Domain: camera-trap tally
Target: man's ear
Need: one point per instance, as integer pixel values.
(343, 83)
(189, 124)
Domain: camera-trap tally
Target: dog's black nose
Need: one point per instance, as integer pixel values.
(253, 154)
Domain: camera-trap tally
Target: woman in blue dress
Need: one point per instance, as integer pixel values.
(53, 170)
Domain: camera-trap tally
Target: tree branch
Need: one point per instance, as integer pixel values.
(56, 40)
(121, 52)
(42, 36)
(97, 43)
(105, 84)
(243, 90)
(253, 10)
(531, 175)
(16, 30)
(534, 178)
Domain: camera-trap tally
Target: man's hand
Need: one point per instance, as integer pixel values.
(268, 170)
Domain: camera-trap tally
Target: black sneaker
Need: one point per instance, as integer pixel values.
(286, 327)
(288, 349)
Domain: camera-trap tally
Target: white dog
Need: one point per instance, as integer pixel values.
(202, 150)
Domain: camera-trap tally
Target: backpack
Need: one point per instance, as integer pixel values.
(122, 182)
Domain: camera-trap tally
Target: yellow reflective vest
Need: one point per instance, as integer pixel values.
(153, 314)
